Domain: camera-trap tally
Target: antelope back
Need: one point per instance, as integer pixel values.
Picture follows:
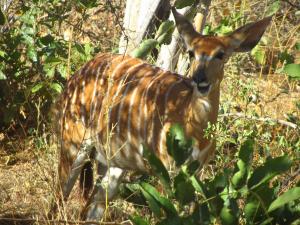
(116, 102)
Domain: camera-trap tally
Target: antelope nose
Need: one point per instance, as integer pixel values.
(203, 85)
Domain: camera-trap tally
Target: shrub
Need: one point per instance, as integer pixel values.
(242, 194)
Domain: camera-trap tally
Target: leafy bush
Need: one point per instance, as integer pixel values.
(243, 193)
(36, 59)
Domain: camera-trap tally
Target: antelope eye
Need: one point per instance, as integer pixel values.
(220, 55)
(191, 54)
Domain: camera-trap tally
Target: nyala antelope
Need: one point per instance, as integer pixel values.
(116, 103)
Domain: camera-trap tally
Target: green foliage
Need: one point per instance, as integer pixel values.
(157, 167)
(273, 8)
(289, 67)
(192, 201)
(36, 60)
(178, 146)
(164, 32)
(226, 25)
(292, 70)
(162, 36)
(144, 48)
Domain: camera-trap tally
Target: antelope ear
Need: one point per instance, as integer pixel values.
(185, 28)
(246, 37)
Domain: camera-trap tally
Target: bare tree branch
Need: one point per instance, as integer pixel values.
(263, 119)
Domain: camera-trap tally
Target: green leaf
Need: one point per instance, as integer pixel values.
(62, 69)
(224, 29)
(286, 57)
(267, 221)
(37, 87)
(292, 70)
(138, 220)
(157, 167)
(47, 39)
(56, 87)
(152, 203)
(270, 169)
(228, 217)
(273, 8)
(2, 54)
(164, 32)
(198, 185)
(163, 202)
(246, 151)
(179, 4)
(297, 46)
(2, 18)
(289, 196)
(131, 192)
(192, 167)
(80, 48)
(145, 48)
(53, 60)
(178, 146)
(242, 166)
(2, 76)
(170, 221)
(184, 189)
(32, 54)
(251, 209)
(203, 214)
(259, 54)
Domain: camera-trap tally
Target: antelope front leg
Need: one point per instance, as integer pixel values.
(75, 171)
(82, 157)
(103, 191)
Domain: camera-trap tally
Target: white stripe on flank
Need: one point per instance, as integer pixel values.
(140, 138)
(73, 100)
(121, 84)
(110, 77)
(130, 108)
(152, 127)
(161, 72)
(166, 111)
(162, 138)
(82, 107)
(162, 142)
(94, 105)
(128, 84)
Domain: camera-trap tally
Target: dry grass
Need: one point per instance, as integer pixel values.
(28, 173)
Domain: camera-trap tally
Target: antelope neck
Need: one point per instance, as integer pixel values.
(203, 109)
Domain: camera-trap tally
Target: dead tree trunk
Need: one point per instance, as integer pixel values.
(138, 16)
(137, 19)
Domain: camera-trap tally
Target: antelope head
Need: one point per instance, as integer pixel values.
(212, 52)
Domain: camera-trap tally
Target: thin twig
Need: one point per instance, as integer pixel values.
(263, 119)
(3, 219)
(113, 10)
(292, 4)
